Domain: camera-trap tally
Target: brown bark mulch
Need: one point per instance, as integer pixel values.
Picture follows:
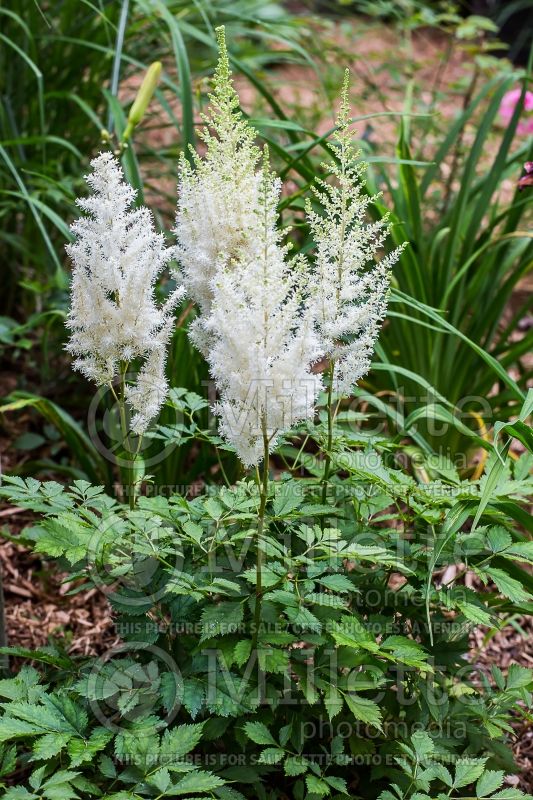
(39, 611)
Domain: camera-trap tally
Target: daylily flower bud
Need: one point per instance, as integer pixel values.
(142, 100)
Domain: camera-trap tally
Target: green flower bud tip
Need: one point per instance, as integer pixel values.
(144, 95)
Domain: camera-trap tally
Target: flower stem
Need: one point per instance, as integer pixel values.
(130, 469)
(331, 418)
(263, 494)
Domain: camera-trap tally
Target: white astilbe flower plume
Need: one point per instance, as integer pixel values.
(349, 285)
(114, 318)
(262, 337)
(215, 220)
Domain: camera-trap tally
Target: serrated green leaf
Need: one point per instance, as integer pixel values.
(193, 695)
(302, 619)
(339, 784)
(498, 539)
(59, 778)
(284, 597)
(474, 613)
(326, 599)
(228, 793)
(439, 771)
(272, 755)
(107, 767)
(169, 690)
(83, 750)
(160, 779)
(241, 652)
(317, 786)
(518, 677)
(272, 660)
(422, 744)
(489, 782)
(333, 701)
(197, 782)
(268, 577)
(520, 551)
(178, 742)
(19, 793)
(258, 732)
(350, 632)
(467, 771)
(363, 709)
(288, 497)
(508, 586)
(49, 745)
(17, 729)
(221, 620)
(337, 583)
(295, 765)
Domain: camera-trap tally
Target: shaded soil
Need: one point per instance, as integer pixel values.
(512, 645)
(39, 609)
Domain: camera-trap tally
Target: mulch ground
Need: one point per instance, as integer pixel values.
(39, 609)
(512, 645)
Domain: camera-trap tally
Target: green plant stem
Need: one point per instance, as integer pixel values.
(331, 419)
(130, 469)
(4, 659)
(263, 489)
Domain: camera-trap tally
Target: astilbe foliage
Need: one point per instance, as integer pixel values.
(262, 337)
(214, 223)
(114, 317)
(350, 286)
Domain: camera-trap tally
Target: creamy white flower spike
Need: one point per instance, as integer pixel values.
(349, 285)
(114, 318)
(215, 220)
(262, 337)
(264, 321)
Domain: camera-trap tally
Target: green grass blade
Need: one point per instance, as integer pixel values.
(399, 296)
(117, 57)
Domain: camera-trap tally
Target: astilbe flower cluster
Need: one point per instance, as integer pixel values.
(215, 222)
(349, 286)
(262, 337)
(264, 319)
(114, 317)
(255, 324)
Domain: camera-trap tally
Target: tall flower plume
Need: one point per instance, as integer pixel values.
(349, 285)
(262, 336)
(114, 318)
(214, 223)
(264, 320)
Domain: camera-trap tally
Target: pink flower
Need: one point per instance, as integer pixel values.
(508, 105)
